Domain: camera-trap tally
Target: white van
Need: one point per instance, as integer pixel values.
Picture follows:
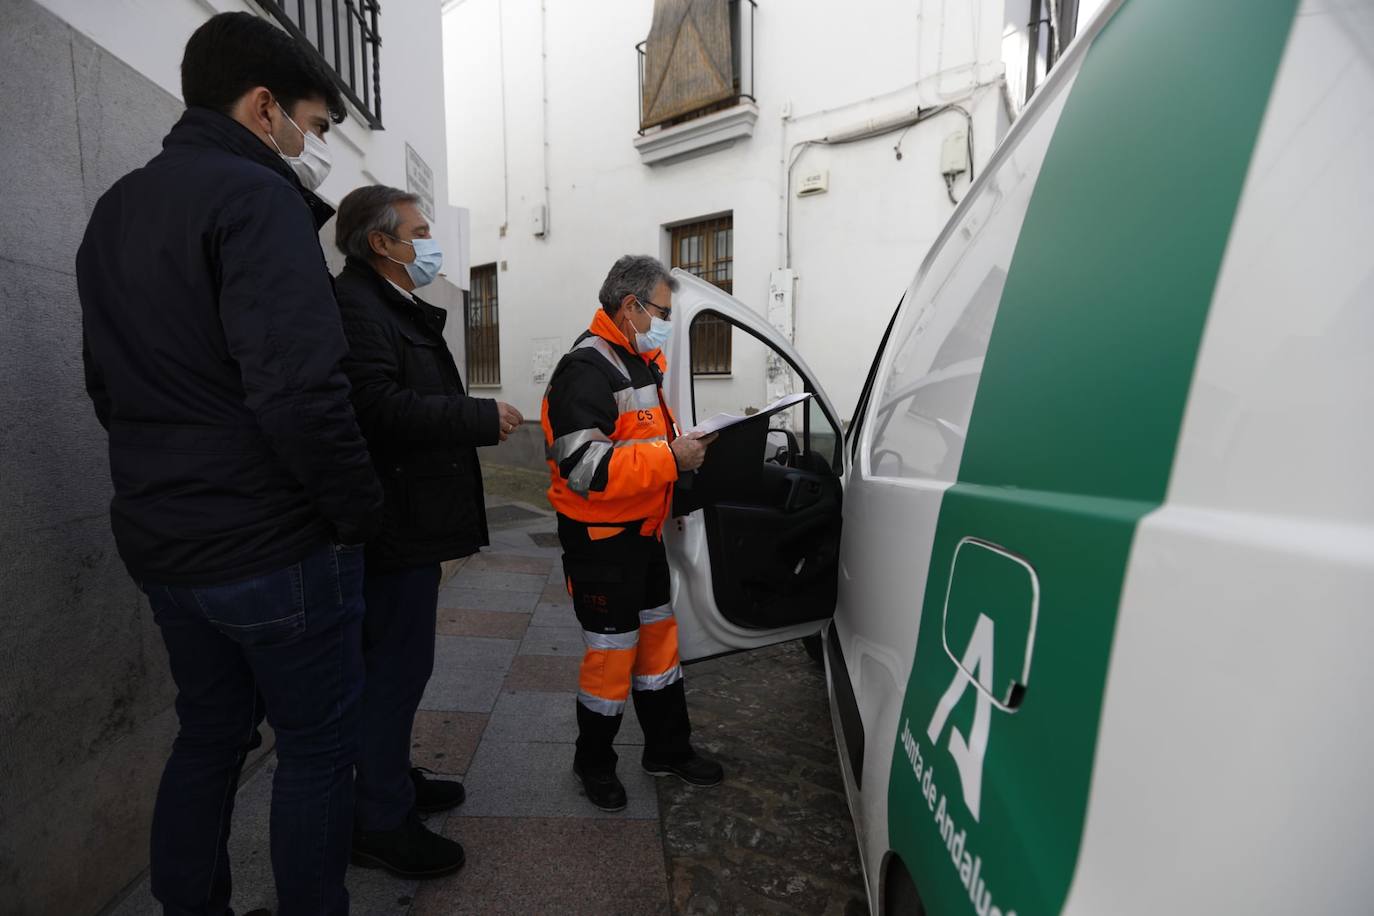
(1095, 561)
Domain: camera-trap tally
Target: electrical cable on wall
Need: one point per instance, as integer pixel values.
(882, 130)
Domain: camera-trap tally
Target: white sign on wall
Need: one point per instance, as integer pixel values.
(547, 352)
(420, 181)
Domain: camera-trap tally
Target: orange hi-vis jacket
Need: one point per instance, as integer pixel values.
(606, 434)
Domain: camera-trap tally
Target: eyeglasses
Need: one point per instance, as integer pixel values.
(666, 312)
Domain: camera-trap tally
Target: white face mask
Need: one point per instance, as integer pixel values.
(656, 338)
(428, 259)
(313, 164)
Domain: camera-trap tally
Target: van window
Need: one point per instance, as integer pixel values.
(803, 435)
(919, 416)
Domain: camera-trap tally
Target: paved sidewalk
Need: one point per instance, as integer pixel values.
(499, 712)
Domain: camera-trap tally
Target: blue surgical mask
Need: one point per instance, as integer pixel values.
(656, 338)
(428, 260)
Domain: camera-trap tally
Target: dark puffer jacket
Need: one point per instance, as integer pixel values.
(420, 424)
(212, 349)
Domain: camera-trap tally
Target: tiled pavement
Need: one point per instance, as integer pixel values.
(499, 712)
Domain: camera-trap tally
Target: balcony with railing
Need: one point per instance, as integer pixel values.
(342, 36)
(696, 78)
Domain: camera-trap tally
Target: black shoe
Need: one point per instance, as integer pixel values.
(603, 789)
(412, 850)
(434, 795)
(696, 770)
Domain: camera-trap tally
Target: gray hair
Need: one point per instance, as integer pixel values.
(633, 275)
(366, 210)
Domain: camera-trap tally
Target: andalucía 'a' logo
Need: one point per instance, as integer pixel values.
(987, 582)
(968, 752)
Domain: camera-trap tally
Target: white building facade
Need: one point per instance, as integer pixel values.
(90, 88)
(811, 191)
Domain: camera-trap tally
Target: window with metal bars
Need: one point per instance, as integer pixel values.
(342, 36)
(707, 249)
(482, 328)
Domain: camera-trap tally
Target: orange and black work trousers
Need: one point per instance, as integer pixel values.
(620, 588)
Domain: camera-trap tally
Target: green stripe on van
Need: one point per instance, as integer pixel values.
(1070, 443)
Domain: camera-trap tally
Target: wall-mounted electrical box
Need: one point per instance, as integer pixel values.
(814, 183)
(954, 154)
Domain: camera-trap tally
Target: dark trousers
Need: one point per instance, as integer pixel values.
(621, 592)
(289, 640)
(398, 646)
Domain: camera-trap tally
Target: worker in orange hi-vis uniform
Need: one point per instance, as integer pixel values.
(614, 455)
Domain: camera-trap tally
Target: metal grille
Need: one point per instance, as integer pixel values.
(482, 328)
(342, 36)
(707, 249)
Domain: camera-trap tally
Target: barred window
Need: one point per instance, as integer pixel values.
(707, 249)
(482, 328)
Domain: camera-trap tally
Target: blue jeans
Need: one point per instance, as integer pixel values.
(287, 643)
(398, 645)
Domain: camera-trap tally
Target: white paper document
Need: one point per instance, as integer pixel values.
(726, 420)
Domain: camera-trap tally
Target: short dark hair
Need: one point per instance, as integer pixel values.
(633, 275)
(365, 210)
(235, 52)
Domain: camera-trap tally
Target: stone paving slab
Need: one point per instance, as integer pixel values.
(556, 592)
(551, 673)
(445, 741)
(535, 779)
(554, 615)
(529, 716)
(498, 580)
(487, 599)
(468, 671)
(502, 562)
(530, 866)
(565, 641)
(498, 624)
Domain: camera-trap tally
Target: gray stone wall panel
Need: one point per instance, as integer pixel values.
(85, 701)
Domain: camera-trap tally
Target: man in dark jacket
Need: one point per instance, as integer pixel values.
(421, 428)
(212, 350)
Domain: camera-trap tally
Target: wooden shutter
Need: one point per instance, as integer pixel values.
(687, 59)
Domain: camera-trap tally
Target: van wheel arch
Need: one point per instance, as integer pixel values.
(899, 894)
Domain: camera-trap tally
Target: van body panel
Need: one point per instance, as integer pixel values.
(1233, 756)
(1070, 443)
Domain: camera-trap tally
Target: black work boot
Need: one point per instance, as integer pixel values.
(412, 850)
(434, 795)
(603, 788)
(695, 770)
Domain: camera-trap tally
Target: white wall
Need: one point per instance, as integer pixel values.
(818, 71)
(149, 36)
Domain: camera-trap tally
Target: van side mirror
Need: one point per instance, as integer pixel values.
(781, 447)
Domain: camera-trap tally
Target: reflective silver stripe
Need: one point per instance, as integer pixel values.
(658, 681)
(599, 705)
(610, 640)
(600, 346)
(580, 480)
(645, 398)
(564, 446)
(655, 614)
(624, 442)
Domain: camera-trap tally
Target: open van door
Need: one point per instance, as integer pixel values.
(754, 552)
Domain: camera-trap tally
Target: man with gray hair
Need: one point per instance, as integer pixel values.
(422, 429)
(614, 454)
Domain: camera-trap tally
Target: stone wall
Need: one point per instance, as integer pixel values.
(86, 715)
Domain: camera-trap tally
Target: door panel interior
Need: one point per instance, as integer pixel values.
(772, 529)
